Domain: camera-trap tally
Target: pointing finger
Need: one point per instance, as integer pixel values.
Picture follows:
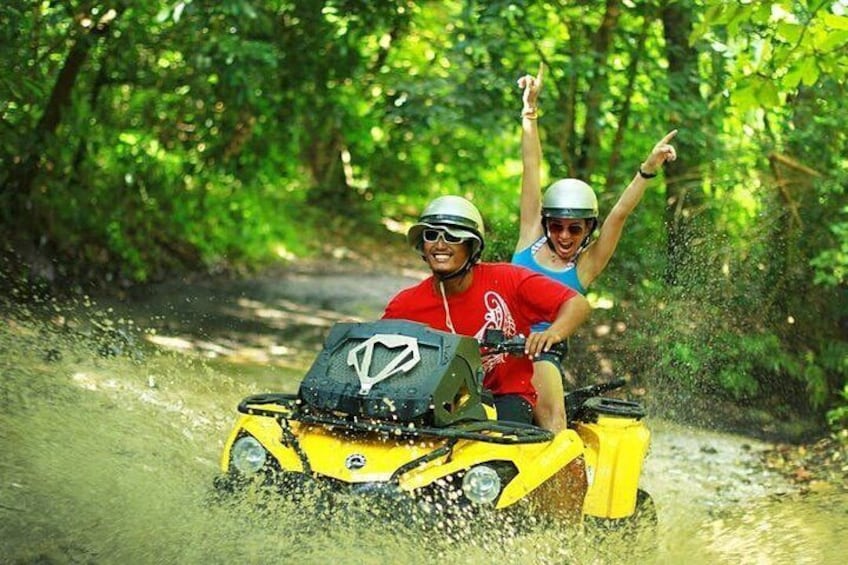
(668, 137)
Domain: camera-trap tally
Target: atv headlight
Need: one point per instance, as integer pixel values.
(248, 455)
(481, 485)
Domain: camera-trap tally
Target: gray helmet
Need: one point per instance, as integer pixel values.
(456, 214)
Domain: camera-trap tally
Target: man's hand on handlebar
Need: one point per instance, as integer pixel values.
(532, 346)
(538, 343)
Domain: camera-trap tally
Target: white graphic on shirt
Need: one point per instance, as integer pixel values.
(497, 317)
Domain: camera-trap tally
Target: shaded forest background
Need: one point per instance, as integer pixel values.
(143, 140)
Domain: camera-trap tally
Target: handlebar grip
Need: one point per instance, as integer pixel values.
(617, 383)
(609, 385)
(495, 342)
(592, 390)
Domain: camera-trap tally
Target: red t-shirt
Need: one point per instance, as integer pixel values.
(501, 296)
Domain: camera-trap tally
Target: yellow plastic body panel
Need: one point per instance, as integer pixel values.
(327, 451)
(537, 465)
(615, 450)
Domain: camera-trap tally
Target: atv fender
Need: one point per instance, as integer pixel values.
(551, 460)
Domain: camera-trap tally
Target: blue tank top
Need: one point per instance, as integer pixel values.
(527, 258)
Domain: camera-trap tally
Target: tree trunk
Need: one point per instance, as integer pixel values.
(22, 175)
(624, 112)
(323, 154)
(17, 186)
(565, 106)
(601, 43)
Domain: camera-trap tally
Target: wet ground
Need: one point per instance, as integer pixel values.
(113, 415)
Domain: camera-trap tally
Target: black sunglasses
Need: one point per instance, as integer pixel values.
(573, 229)
(433, 235)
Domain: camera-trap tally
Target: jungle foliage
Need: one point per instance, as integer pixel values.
(143, 139)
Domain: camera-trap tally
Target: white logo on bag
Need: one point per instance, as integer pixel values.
(402, 362)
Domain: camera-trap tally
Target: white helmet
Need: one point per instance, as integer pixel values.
(453, 212)
(570, 198)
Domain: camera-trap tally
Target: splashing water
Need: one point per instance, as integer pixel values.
(110, 456)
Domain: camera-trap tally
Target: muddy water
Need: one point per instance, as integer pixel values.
(111, 433)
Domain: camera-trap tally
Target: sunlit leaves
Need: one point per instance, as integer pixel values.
(836, 22)
(789, 32)
(804, 71)
(790, 43)
(755, 92)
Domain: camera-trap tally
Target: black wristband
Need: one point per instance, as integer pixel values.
(645, 175)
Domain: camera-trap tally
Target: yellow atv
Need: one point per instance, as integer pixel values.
(396, 411)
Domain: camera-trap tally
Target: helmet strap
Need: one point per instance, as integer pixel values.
(547, 235)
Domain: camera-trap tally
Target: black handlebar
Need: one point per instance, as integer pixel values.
(494, 341)
(600, 388)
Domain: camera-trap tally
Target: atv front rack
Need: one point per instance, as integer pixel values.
(490, 431)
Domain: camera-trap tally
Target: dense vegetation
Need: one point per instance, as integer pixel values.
(142, 139)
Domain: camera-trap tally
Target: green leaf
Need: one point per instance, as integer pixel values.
(128, 138)
(793, 76)
(744, 98)
(810, 71)
(790, 32)
(768, 95)
(836, 22)
(833, 41)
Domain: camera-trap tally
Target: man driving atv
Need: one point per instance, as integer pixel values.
(467, 297)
